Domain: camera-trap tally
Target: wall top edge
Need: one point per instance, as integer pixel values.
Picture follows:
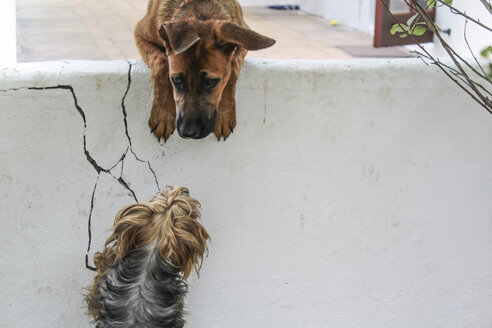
(113, 66)
(42, 74)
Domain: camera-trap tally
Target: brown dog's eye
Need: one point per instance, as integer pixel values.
(211, 83)
(178, 82)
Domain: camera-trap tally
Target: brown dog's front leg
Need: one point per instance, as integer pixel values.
(226, 114)
(163, 114)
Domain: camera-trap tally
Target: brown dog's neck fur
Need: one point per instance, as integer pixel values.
(201, 10)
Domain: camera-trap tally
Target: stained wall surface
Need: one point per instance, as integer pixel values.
(351, 194)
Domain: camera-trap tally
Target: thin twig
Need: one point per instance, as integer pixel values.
(478, 97)
(480, 101)
(430, 25)
(471, 51)
(458, 12)
(463, 78)
(452, 54)
(487, 5)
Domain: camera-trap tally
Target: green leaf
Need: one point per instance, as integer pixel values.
(419, 30)
(490, 72)
(486, 52)
(404, 35)
(396, 28)
(411, 19)
(448, 2)
(431, 3)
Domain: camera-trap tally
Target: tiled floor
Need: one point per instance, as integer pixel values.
(103, 29)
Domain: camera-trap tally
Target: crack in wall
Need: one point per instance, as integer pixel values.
(88, 156)
(89, 229)
(98, 168)
(122, 158)
(123, 108)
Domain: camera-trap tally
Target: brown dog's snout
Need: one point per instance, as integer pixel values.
(195, 126)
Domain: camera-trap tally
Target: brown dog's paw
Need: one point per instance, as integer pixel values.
(225, 124)
(162, 126)
(162, 129)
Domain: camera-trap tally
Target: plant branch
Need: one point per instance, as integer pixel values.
(453, 55)
(487, 5)
(458, 12)
(471, 51)
(458, 72)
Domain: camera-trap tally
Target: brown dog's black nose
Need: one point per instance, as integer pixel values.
(195, 127)
(190, 128)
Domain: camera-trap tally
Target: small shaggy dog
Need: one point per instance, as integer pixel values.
(141, 272)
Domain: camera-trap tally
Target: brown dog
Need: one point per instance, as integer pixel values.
(195, 50)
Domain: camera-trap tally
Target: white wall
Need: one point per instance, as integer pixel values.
(351, 194)
(8, 38)
(358, 14)
(477, 36)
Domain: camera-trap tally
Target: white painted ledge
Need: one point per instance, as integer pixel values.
(351, 194)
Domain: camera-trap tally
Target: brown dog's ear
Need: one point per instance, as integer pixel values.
(178, 36)
(227, 32)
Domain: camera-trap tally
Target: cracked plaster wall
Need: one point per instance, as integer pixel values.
(347, 195)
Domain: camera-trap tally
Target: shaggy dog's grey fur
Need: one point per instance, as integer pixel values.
(141, 291)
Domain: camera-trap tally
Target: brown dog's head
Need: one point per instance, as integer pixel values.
(200, 55)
